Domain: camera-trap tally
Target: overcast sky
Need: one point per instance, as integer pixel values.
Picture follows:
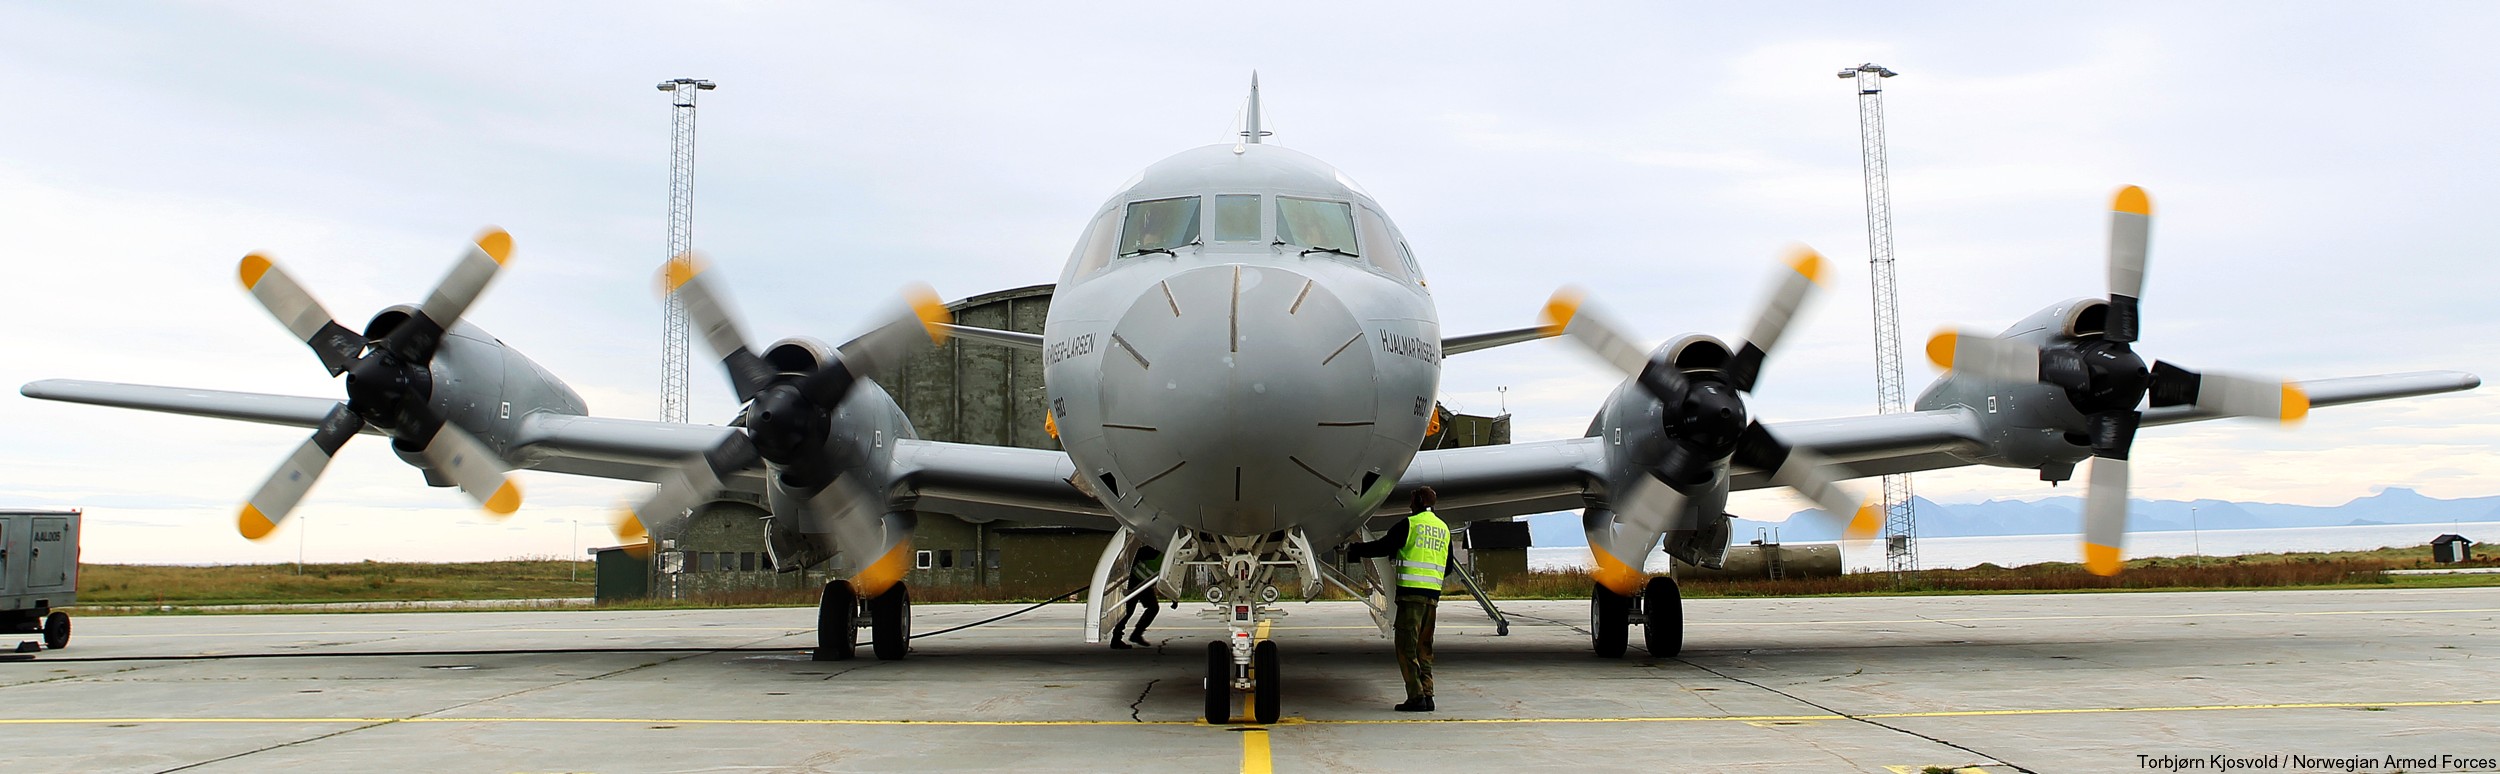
(2323, 176)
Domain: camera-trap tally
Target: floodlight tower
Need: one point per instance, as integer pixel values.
(673, 333)
(1900, 526)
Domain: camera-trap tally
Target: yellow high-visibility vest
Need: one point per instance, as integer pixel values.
(1427, 552)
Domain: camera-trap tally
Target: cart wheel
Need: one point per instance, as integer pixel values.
(56, 630)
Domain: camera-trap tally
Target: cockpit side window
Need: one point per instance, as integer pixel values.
(1233, 218)
(1094, 249)
(1316, 224)
(1159, 225)
(1376, 233)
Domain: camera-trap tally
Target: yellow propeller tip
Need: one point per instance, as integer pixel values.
(2100, 559)
(253, 267)
(507, 498)
(2295, 403)
(931, 310)
(1807, 262)
(883, 573)
(1940, 348)
(496, 243)
(252, 524)
(2133, 201)
(627, 526)
(1560, 309)
(679, 271)
(1865, 524)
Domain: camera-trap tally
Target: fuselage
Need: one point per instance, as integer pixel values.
(1241, 343)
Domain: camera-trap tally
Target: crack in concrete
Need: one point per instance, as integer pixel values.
(1141, 699)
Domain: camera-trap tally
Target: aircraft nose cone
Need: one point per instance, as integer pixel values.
(1233, 394)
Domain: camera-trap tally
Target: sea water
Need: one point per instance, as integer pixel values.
(2016, 550)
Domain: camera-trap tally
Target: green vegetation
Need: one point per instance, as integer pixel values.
(144, 587)
(263, 584)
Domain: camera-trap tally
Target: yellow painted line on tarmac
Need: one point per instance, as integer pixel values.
(2149, 616)
(1254, 753)
(1290, 721)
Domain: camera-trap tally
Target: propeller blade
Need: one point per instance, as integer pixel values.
(1810, 474)
(459, 456)
(1985, 356)
(1646, 508)
(691, 483)
(294, 477)
(2105, 516)
(1805, 271)
(920, 322)
(1569, 313)
(415, 340)
(295, 308)
(2130, 234)
(2228, 394)
(709, 311)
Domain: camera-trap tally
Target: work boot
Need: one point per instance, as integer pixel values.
(1138, 639)
(1118, 644)
(1418, 704)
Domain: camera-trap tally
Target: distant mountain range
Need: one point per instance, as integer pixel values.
(2064, 516)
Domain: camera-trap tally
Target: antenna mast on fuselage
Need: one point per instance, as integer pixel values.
(1250, 131)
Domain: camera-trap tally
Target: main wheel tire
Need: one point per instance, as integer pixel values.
(889, 619)
(837, 622)
(1609, 621)
(1663, 606)
(1219, 683)
(1268, 697)
(56, 630)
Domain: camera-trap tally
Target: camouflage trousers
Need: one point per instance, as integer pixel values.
(1414, 643)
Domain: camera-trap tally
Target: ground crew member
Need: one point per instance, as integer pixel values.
(1142, 571)
(1421, 543)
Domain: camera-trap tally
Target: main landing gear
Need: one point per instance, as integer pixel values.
(1659, 609)
(838, 622)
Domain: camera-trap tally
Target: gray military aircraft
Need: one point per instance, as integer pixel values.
(1241, 357)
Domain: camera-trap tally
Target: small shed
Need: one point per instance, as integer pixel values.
(2451, 549)
(620, 576)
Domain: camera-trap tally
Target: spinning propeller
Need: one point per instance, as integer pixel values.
(2105, 380)
(1705, 417)
(389, 385)
(789, 416)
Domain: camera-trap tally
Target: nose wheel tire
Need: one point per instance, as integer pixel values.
(837, 624)
(1663, 606)
(889, 619)
(1267, 699)
(56, 631)
(1219, 683)
(1609, 622)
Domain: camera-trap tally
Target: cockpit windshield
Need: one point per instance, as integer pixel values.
(1315, 224)
(1159, 225)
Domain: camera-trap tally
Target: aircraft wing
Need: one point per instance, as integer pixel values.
(628, 449)
(982, 483)
(1490, 482)
(286, 410)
